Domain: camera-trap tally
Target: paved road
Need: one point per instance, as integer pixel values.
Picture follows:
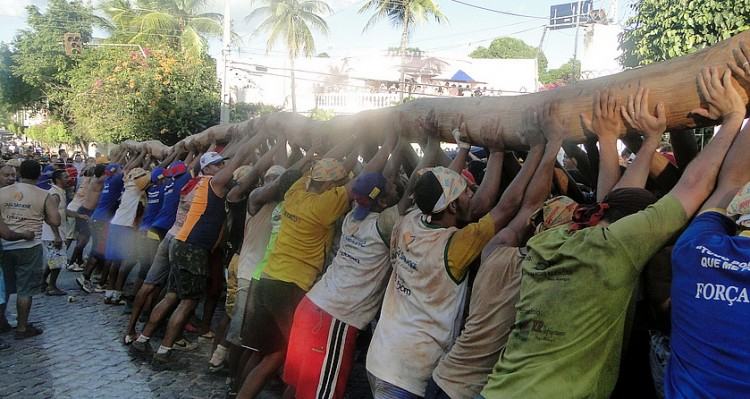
(79, 356)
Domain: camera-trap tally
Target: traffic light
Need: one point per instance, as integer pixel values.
(72, 43)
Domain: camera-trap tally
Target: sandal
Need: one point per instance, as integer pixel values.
(31, 331)
(128, 339)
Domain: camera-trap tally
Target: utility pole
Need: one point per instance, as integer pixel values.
(226, 45)
(577, 71)
(536, 59)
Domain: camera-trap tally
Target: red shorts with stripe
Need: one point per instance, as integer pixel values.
(320, 353)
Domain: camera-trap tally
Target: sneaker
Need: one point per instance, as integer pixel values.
(212, 368)
(85, 285)
(143, 349)
(183, 345)
(75, 268)
(98, 288)
(166, 361)
(31, 331)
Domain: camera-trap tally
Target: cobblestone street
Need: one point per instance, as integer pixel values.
(80, 356)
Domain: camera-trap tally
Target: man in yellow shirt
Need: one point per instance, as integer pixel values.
(311, 208)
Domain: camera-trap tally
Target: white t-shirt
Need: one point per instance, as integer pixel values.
(128, 209)
(351, 290)
(47, 234)
(255, 241)
(422, 307)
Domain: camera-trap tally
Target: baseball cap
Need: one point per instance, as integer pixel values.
(740, 206)
(211, 158)
(436, 188)
(176, 168)
(157, 174)
(112, 169)
(139, 177)
(366, 189)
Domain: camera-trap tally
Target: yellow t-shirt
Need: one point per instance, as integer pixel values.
(307, 224)
(466, 244)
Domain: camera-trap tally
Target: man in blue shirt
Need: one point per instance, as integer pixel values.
(711, 278)
(156, 270)
(109, 200)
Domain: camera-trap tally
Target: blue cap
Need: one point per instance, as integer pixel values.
(366, 189)
(157, 174)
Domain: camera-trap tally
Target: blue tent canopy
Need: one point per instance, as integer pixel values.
(461, 76)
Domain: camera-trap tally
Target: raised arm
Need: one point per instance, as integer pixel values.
(638, 115)
(538, 189)
(242, 157)
(724, 103)
(459, 161)
(509, 202)
(246, 183)
(489, 189)
(735, 171)
(606, 124)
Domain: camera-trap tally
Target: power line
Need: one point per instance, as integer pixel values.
(498, 11)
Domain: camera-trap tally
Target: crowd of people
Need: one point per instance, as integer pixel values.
(502, 276)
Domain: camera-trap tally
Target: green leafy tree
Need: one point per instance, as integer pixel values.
(14, 92)
(664, 29)
(405, 14)
(510, 48)
(177, 23)
(566, 73)
(292, 22)
(39, 58)
(244, 111)
(118, 94)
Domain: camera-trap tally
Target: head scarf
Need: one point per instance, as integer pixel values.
(555, 212)
(616, 205)
(328, 169)
(740, 206)
(437, 188)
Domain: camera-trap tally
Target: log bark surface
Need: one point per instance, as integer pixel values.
(673, 82)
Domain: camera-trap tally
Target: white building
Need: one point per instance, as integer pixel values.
(368, 81)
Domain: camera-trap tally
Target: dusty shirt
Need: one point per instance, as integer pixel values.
(257, 234)
(575, 291)
(351, 290)
(22, 209)
(306, 232)
(463, 372)
(423, 303)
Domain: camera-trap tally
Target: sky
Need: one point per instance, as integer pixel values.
(466, 28)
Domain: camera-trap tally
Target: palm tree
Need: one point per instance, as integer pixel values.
(177, 22)
(292, 21)
(403, 13)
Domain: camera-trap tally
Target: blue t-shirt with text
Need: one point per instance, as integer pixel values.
(710, 311)
(169, 203)
(109, 199)
(154, 196)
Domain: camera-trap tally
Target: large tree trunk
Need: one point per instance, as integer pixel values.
(673, 82)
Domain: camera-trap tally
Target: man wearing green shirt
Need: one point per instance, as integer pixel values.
(577, 280)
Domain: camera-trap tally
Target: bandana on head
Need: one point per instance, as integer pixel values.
(452, 184)
(615, 205)
(139, 177)
(556, 212)
(740, 206)
(328, 169)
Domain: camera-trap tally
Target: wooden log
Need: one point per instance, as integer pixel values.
(673, 82)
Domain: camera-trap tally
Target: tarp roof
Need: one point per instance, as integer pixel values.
(461, 76)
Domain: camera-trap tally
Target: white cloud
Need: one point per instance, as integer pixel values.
(14, 8)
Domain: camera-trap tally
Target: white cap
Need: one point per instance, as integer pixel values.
(210, 158)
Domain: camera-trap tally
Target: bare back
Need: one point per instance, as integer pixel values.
(94, 190)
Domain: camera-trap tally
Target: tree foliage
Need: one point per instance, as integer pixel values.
(565, 74)
(663, 29)
(165, 96)
(244, 111)
(51, 133)
(178, 24)
(510, 48)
